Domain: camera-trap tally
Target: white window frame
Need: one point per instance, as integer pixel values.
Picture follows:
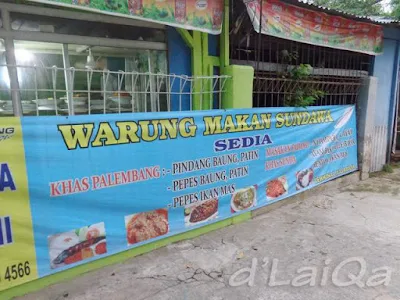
(10, 35)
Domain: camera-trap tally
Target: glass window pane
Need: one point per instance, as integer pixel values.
(118, 79)
(40, 77)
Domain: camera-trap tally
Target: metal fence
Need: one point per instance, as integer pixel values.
(337, 73)
(273, 91)
(69, 91)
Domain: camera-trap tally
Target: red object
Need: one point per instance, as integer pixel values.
(217, 12)
(101, 248)
(180, 11)
(147, 225)
(73, 258)
(135, 7)
(275, 188)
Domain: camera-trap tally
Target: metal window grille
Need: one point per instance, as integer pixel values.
(337, 73)
(273, 91)
(70, 91)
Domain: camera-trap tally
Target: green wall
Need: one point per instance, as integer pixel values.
(239, 88)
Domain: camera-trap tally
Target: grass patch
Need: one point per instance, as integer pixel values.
(395, 165)
(387, 168)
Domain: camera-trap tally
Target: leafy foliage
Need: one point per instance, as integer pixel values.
(357, 7)
(299, 92)
(304, 94)
(395, 9)
(387, 168)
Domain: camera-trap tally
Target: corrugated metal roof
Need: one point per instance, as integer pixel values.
(383, 20)
(370, 19)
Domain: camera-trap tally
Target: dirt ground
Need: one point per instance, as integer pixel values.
(344, 244)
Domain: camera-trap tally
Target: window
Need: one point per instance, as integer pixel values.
(54, 77)
(102, 79)
(40, 76)
(118, 79)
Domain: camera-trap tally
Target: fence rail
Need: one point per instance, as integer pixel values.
(69, 91)
(272, 91)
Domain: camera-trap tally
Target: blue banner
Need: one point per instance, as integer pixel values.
(102, 184)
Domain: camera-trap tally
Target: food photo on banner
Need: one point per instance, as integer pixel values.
(103, 184)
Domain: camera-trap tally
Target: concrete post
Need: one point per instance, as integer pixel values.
(239, 88)
(365, 124)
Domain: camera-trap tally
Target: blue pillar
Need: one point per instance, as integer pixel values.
(179, 62)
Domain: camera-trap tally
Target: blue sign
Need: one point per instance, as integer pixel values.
(103, 184)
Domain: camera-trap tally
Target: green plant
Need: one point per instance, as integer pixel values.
(387, 168)
(299, 90)
(303, 98)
